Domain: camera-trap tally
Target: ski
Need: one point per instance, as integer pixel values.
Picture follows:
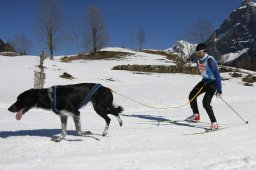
(206, 130)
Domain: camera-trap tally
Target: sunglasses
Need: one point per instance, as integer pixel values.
(199, 52)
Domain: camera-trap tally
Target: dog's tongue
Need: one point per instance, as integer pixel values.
(19, 114)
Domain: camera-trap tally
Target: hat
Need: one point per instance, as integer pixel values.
(201, 46)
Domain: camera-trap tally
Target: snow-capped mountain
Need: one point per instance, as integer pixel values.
(182, 48)
(234, 42)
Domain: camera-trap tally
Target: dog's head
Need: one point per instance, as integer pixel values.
(25, 101)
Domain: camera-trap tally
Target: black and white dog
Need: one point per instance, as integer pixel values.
(67, 100)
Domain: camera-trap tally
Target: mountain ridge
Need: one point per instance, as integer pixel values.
(234, 43)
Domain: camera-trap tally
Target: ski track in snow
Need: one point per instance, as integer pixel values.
(248, 163)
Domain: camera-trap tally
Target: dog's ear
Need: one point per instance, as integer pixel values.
(33, 93)
(40, 92)
(26, 94)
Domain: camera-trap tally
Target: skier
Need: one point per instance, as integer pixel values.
(210, 83)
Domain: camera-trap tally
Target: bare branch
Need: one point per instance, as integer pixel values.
(96, 34)
(21, 44)
(141, 37)
(200, 31)
(49, 23)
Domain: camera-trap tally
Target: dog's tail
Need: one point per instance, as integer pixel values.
(115, 110)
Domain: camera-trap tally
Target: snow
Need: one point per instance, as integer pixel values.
(226, 58)
(118, 49)
(146, 140)
(242, 7)
(253, 4)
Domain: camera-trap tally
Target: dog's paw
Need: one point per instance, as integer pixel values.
(85, 133)
(105, 132)
(58, 139)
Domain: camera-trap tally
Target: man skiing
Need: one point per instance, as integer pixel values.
(209, 84)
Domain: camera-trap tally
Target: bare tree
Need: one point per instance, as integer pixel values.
(96, 33)
(200, 31)
(76, 34)
(21, 44)
(141, 37)
(49, 23)
(131, 40)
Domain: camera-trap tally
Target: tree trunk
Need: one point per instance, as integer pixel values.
(51, 45)
(94, 33)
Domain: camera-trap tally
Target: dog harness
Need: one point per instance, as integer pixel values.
(89, 96)
(52, 95)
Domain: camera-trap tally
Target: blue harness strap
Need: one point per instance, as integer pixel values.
(84, 102)
(89, 96)
(54, 100)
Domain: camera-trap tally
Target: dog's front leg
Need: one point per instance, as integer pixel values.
(63, 135)
(78, 127)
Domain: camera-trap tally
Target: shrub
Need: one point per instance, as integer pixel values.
(248, 84)
(66, 76)
(159, 68)
(66, 59)
(249, 79)
(235, 74)
(100, 55)
(169, 56)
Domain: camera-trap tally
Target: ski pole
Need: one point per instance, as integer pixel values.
(246, 122)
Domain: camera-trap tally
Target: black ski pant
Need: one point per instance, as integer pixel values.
(209, 89)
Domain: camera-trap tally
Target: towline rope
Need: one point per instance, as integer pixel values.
(154, 107)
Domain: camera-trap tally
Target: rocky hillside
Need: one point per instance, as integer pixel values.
(234, 43)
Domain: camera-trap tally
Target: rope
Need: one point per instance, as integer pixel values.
(135, 101)
(154, 107)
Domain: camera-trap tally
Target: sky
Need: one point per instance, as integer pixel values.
(163, 21)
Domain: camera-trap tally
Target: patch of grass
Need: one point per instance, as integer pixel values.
(9, 53)
(66, 59)
(224, 79)
(97, 56)
(235, 74)
(248, 84)
(159, 68)
(249, 79)
(169, 56)
(224, 69)
(66, 76)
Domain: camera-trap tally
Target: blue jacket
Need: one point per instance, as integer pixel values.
(210, 71)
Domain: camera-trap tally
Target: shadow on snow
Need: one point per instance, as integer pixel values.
(164, 121)
(39, 133)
